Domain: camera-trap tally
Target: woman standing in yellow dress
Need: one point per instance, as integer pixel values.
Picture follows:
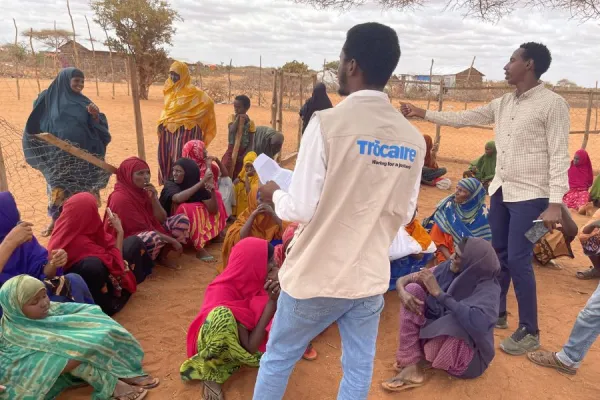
(189, 114)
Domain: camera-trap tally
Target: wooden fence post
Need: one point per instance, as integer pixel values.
(35, 64)
(137, 111)
(93, 55)
(596, 118)
(229, 79)
(56, 63)
(16, 49)
(314, 79)
(299, 117)
(430, 79)
(77, 65)
(3, 178)
(588, 119)
(112, 65)
(438, 128)
(468, 78)
(200, 74)
(259, 79)
(280, 104)
(127, 75)
(274, 102)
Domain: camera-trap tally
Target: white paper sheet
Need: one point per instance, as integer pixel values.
(268, 170)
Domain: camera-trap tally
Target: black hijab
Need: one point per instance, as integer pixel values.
(190, 178)
(319, 101)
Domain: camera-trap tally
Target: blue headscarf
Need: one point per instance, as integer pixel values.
(62, 112)
(29, 258)
(468, 219)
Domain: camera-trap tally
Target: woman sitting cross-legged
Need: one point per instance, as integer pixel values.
(110, 265)
(581, 178)
(447, 317)
(187, 194)
(231, 329)
(460, 215)
(258, 220)
(21, 253)
(136, 201)
(47, 347)
(484, 168)
(431, 170)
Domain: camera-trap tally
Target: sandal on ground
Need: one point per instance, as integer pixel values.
(132, 395)
(212, 391)
(46, 232)
(310, 354)
(392, 384)
(590, 273)
(205, 257)
(549, 360)
(144, 382)
(423, 364)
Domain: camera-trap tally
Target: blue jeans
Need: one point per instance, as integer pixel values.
(509, 222)
(584, 333)
(297, 322)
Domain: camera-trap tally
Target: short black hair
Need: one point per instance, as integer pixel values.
(376, 49)
(540, 55)
(245, 100)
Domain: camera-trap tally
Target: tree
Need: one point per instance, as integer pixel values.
(332, 66)
(486, 10)
(51, 38)
(565, 83)
(16, 52)
(141, 28)
(295, 67)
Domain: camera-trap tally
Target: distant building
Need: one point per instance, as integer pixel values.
(66, 57)
(451, 78)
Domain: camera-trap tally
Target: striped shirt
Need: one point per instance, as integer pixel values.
(532, 141)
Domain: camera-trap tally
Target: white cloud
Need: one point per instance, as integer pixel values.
(280, 30)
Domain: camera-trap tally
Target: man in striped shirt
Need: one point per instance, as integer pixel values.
(532, 130)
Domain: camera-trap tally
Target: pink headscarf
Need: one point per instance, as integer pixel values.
(195, 150)
(240, 287)
(286, 238)
(581, 175)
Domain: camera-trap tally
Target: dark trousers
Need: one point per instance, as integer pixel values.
(509, 222)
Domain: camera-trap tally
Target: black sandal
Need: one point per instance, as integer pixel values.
(590, 273)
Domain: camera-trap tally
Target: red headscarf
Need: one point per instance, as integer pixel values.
(429, 144)
(131, 203)
(195, 150)
(286, 238)
(581, 175)
(79, 231)
(240, 288)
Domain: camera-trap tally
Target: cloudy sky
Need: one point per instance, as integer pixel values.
(280, 30)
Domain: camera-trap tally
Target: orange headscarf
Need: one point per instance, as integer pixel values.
(188, 106)
(416, 230)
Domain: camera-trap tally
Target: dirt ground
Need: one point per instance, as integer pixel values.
(162, 309)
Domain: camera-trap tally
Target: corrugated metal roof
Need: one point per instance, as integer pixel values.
(441, 70)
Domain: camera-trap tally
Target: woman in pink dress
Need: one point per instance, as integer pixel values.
(581, 178)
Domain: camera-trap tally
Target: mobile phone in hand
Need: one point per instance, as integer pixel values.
(536, 232)
(109, 212)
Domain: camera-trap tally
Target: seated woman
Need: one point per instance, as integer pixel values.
(447, 316)
(47, 347)
(431, 170)
(185, 193)
(411, 250)
(484, 168)
(590, 242)
(581, 178)
(196, 150)
(21, 253)
(231, 329)
(557, 243)
(245, 181)
(259, 221)
(460, 215)
(268, 141)
(110, 265)
(135, 200)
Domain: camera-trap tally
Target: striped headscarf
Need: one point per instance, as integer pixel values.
(34, 352)
(469, 219)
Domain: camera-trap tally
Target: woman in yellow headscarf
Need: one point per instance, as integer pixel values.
(246, 180)
(189, 114)
(258, 220)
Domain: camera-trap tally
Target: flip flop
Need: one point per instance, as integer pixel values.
(406, 384)
(423, 364)
(207, 258)
(590, 273)
(212, 392)
(137, 382)
(131, 396)
(310, 354)
(549, 360)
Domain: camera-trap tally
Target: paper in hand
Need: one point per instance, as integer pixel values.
(268, 170)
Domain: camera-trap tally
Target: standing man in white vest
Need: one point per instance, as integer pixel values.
(355, 184)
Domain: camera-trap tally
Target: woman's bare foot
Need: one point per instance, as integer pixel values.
(212, 391)
(48, 231)
(586, 209)
(145, 381)
(169, 258)
(124, 391)
(411, 376)
(205, 256)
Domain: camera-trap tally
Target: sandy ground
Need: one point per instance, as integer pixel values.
(160, 312)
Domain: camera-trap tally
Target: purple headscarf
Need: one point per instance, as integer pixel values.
(29, 258)
(477, 291)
